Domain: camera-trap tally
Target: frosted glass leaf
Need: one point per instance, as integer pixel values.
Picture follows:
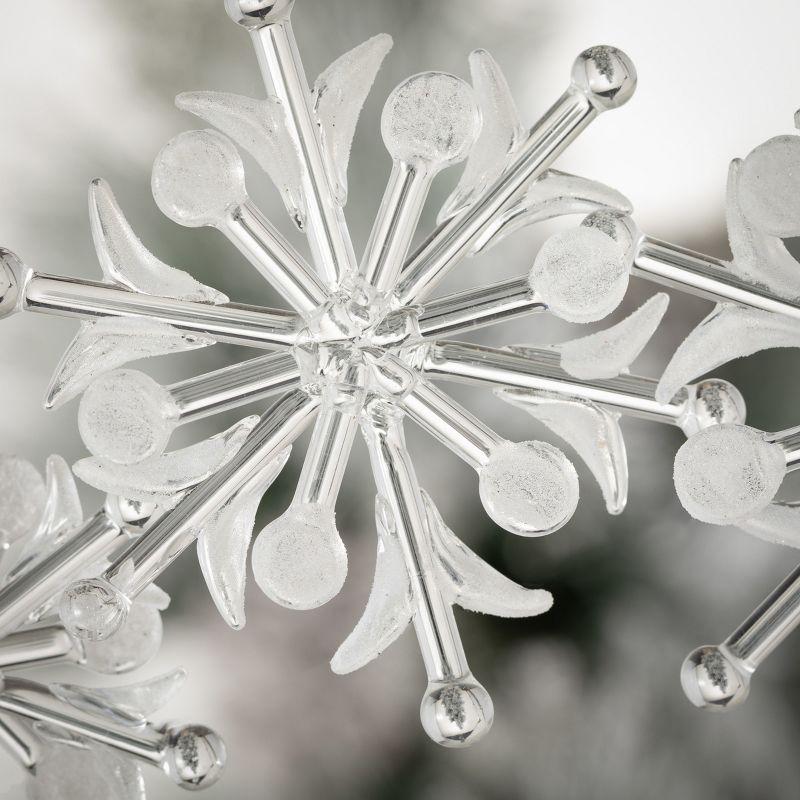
(338, 96)
(259, 127)
(730, 331)
(124, 705)
(389, 607)
(500, 135)
(108, 343)
(62, 513)
(165, 475)
(224, 539)
(778, 523)
(471, 582)
(555, 194)
(607, 353)
(94, 773)
(22, 498)
(592, 431)
(155, 597)
(126, 261)
(757, 257)
(133, 645)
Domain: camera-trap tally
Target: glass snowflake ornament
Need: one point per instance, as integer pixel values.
(365, 345)
(79, 741)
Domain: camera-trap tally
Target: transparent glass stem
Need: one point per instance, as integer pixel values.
(40, 644)
(395, 224)
(279, 60)
(789, 441)
(33, 701)
(434, 623)
(282, 266)
(234, 386)
(540, 370)
(97, 539)
(235, 324)
(476, 308)
(562, 123)
(327, 456)
(147, 557)
(774, 619)
(19, 741)
(704, 276)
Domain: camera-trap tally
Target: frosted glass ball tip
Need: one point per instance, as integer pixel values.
(198, 177)
(13, 278)
(299, 560)
(769, 186)
(605, 75)
(431, 118)
(456, 713)
(529, 488)
(257, 13)
(195, 756)
(126, 417)
(727, 473)
(93, 609)
(713, 680)
(581, 274)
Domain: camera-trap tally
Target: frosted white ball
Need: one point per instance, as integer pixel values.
(125, 417)
(431, 117)
(198, 177)
(581, 274)
(299, 560)
(529, 488)
(22, 498)
(728, 473)
(769, 186)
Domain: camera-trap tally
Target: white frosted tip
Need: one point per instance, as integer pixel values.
(299, 560)
(126, 417)
(198, 177)
(22, 498)
(581, 274)
(769, 186)
(529, 488)
(727, 473)
(432, 118)
(93, 609)
(712, 680)
(456, 713)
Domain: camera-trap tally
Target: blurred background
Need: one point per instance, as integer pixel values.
(587, 698)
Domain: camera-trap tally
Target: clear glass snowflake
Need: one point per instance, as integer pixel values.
(365, 345)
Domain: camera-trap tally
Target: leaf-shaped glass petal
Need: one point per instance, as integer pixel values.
(22, 499)
(778, 523)
(757, 256)
(133, 645)
(126, 261)
(338, 96)
(555, 194)
(108, 343)
(471, 582)
(730, 331)
(125, 705)
(259, 127)
(165, 475)
(389, 607)
(93, 773)
(224, 539)
(155, 597)
(607, 353)
(592, 431)
(500, 135)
